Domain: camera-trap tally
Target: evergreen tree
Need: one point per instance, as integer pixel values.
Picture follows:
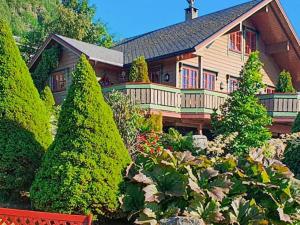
(242, 112)
(82, 170)
(285, 84)
(24, 121)
(139, 70)
(296, 125)
(48, 99)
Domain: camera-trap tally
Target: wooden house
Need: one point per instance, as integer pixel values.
(194, 65)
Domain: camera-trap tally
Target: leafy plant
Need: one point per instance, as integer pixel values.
(220, 190)
(296, 124)
(242, 113)
(285, 84)
(152, 122)
(139, 70)
(174, 140)
(81, 172)
(292, 154)
(127, 117)
(24, 121)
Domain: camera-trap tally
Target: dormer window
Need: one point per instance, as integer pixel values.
(250, 42)
(235, 43)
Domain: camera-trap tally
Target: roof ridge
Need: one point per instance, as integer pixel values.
(127, 40)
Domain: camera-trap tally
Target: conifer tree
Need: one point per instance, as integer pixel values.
(242, 112)
(24, 121)
(82, 170)
(139, 70)
(285, 84)
(296, 124)
(48, 99)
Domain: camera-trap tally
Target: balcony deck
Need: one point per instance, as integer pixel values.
(199, 101)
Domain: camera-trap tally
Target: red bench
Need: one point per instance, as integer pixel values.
(25, 217)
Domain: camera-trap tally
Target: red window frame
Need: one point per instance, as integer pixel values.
(250, 42)
(59, 82)
(270, 90)
(232, 84)
(209, 80)
(235, 42)
(189, 78)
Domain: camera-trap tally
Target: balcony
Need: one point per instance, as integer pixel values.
(184, 102)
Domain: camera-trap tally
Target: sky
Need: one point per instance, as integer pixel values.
(127, 18)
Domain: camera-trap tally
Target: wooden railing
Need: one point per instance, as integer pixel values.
(167, 98)
(280, 104)
(25, 217)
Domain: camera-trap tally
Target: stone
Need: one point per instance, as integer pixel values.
(182, 221)
(200, 141)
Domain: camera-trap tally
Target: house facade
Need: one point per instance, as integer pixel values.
(195, 65)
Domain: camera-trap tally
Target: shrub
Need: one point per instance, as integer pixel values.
(221, 190)
(48, 99)
(296, 124)
(174, 140)
(292, 154)
(242, 113)
(152, 122)
(82, 171)
(24, 121)
(285, 84)
(139, 70)
(49, 61)
(127, 117)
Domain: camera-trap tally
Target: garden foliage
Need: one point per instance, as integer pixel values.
(127, 116)
(292, 154)
(285, 84)
(220, 190)
(242, 113)
(139, 70)
(24, 121)
(152, 123)
(48, 99)
(82, 171)
(296, 124)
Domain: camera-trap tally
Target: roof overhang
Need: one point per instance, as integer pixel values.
(76, 51)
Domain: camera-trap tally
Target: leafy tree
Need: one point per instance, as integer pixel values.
(24, 121)
(285, 84)
(127, 117)
(82, 170)
(242, 112)
(139, 70)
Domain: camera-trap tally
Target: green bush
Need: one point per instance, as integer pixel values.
(48, 99)
(49, 62)
(292, 154)
(296, 124)
(24, 121)
(82, 171)
(152, 122)
(139, 70)
(285, 84)
(243, 113)
(127, 117)
(175, 141)
(221, 190)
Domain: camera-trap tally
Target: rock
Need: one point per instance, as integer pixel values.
(200, 141)
(182, 221)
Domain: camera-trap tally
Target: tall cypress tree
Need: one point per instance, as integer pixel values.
(243, 113)
(82, 170)
(24, 121)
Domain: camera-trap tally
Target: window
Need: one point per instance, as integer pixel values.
(232, 84)
(154, 74)
(189, 78)
(208, 80)
(250, 41)
(270, 90)
(59, 82)
(235, 43)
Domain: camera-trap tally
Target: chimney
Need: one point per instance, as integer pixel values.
(191, 12)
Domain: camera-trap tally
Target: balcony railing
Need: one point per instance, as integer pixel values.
(167, 98)
(280, 104)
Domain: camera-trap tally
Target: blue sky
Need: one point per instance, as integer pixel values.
(126, 18)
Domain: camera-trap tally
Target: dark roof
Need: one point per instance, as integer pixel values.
(95, 52)
(181, 37)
